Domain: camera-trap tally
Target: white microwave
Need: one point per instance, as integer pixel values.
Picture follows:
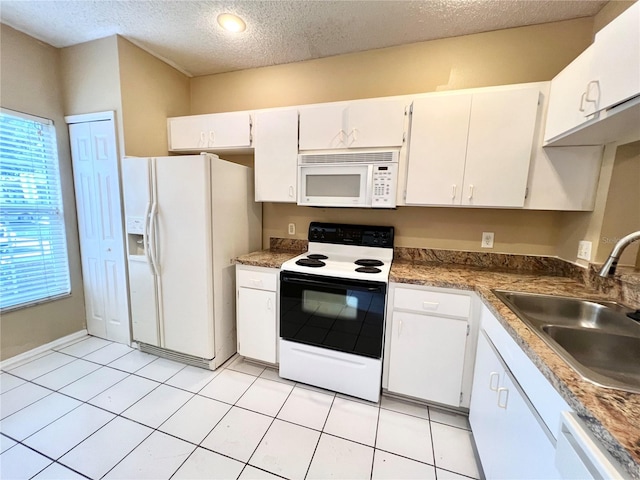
(366, 179)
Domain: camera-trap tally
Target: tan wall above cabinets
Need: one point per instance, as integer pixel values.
(517, 55)
(151, 91)
(30, 82)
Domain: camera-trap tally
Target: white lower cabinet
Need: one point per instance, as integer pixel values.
(257, 312)
(428, 344)
(510, 437)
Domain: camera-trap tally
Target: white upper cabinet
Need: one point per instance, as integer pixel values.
(438, 149)
(276, 155)
(501, 130)
(210, 132)
(615, 69)
(605, 75)
(360, 124)
(472, 149)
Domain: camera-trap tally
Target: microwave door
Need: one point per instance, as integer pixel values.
(335, 185)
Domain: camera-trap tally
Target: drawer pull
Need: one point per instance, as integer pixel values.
(493, 375)
(506, 397)
(430, 305)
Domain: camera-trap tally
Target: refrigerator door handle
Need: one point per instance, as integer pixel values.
(145, 237)
(153, 246)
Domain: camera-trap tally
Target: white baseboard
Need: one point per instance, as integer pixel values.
(13, 361)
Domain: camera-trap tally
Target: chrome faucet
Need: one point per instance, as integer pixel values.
(609, 267)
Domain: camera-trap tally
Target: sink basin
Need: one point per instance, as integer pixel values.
(594, 337)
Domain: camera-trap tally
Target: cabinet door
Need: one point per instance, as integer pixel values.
(143, 297)
(225, 130)
(256, 312)
(527, 452)
(276, 155)
(483, 410)
(616, 60)
(499, 149)
(188, 133)
(567, 98)
(375, 123)
(427, 357)
(323, 127)
(437, 149)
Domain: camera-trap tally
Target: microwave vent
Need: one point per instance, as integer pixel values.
(349, 157)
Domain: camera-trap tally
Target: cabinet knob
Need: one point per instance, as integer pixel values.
(291, 191)
(453, 191)
(470, 192)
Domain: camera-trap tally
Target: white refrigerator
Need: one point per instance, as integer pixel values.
(187, 218)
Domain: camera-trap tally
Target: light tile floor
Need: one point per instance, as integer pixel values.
(96, 409)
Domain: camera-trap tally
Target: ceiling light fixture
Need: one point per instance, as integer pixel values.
(231, 23)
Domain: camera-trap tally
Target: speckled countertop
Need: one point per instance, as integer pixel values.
(612, 415)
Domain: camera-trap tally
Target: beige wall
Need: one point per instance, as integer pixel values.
(622, 209)
(30, 82)
(517, 55)
(151, 91)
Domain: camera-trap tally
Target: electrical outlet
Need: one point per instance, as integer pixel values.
(487, 240)
(584, 250)
(292, 229)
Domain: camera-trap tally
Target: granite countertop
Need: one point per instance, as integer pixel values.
(613, 416)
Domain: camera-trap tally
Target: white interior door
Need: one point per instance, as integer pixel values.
(98, 201)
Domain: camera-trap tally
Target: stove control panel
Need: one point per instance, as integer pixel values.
(344, 234)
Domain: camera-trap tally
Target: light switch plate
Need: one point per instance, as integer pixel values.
(487, 240)
(292, 229)
(584, 250)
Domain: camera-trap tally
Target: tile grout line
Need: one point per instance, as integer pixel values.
(320, 436)
(193, 395)
(375, 442)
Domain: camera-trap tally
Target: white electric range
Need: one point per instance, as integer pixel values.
(332, 308)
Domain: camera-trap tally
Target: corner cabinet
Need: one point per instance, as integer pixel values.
(594, 87)
(514, 412)
(430, 344)
(276, 155)
(257, 312)
(358, 124)
(472, 149)
(216, 131)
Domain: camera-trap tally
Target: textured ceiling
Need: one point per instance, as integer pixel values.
(185, 33)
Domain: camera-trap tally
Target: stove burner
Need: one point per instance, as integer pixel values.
(369, 262)
(368, 270)
(310, 262)
(317, 256)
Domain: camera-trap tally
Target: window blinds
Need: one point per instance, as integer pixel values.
(33, 248)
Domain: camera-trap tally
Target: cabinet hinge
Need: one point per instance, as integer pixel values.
(410, 109)
(526, 193)
(460, 398)
(404, 137)
(468, 329)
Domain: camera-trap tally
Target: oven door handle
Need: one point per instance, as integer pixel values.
(327, 284)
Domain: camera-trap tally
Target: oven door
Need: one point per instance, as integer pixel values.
(335, 313)
(335, 185)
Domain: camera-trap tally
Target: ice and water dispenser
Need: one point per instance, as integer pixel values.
(135, 236)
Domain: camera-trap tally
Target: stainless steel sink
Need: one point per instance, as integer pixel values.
(594, 337)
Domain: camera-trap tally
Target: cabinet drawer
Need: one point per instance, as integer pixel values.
(256, 279)
(432, 302)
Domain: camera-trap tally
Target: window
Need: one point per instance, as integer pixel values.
(33, 248)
